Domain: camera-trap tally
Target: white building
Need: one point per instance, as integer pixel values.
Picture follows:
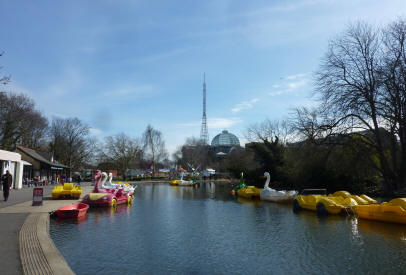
(209, 172)
(12, 162)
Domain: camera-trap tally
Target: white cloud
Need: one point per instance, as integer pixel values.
(95, 132)
(294, 76)
(295, 82)
(279, 92)
(244, 105)
(221, 123)
(294, 85)
(214, 123)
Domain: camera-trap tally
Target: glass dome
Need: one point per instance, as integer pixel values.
(225, 139)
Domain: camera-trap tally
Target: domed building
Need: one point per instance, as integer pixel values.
(225, 142)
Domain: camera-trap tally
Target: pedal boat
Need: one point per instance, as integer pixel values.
(361, 200)
(333, 204)
(248, 192)
(106, 197)
(308, 199)
(174, 182)
(273, 195)
(393, 211)
(182, 182)
(68, 190)
(342, 202)
(185, 182)
(76, 210)
(110, 185)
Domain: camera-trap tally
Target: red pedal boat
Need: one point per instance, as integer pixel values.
(76, 210)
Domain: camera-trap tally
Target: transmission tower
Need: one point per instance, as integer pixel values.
(204, 135)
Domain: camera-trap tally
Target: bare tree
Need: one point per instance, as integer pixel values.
(70, 142)
(361, 83)
(312, 125)
(4, 79)
(393, 107)
(35, 131)
(154, 146)
(123, 151)
(268, 130)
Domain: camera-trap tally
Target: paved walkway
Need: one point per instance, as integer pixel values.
(26, 247)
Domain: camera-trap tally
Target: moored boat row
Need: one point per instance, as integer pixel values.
(103, 195)
(318, 201)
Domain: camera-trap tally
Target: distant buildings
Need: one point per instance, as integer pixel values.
(224, 142)
(41, 165)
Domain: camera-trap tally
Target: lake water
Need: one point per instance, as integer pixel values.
(205, 230)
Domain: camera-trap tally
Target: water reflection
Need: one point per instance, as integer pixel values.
(387, 230)
(110, 212)
(70, 220)
(203, 190)
(354, 228)
(255, 201)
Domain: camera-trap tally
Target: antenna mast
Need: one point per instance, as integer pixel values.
(204, 135)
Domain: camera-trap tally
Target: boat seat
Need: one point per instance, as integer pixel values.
(398, 202)
(68, 186)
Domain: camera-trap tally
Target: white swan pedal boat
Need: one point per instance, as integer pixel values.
(269, 194)
(110, 185)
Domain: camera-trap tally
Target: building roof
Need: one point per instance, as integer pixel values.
(225, 139)
(35, 155)
(7, 155)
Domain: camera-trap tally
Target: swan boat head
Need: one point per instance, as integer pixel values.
(268, 178)
(104, 174)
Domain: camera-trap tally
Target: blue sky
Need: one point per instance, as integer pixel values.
(120, 65)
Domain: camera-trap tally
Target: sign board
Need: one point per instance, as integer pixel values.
(37, 195)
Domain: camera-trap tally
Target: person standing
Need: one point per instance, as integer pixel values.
(78, 179)
(6, 181)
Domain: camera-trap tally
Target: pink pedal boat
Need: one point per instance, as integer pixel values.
(76, 210)
(106, 197)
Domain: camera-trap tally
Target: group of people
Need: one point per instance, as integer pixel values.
(7, 181)
(37, 181)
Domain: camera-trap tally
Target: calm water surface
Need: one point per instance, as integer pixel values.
(186, 230)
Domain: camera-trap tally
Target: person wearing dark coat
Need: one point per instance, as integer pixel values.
(6, 181)
(78, 179)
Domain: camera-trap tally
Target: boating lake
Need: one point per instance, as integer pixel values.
(205, 230)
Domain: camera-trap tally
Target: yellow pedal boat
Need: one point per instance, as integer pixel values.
(249, 192)
(174, 182)
(336, 203)
(361, 200)
(308, 199)
(67, 190)
(393, 211)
